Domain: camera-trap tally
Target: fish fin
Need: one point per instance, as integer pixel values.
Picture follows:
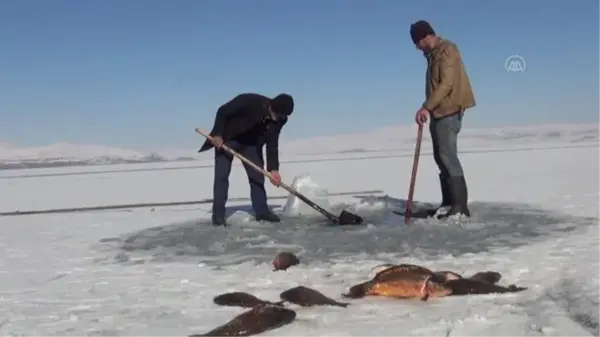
(514, 288)
(424, 290)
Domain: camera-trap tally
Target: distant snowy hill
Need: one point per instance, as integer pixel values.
(64, 154)
(403, 138)
(397, 138)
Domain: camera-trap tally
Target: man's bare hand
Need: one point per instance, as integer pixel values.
(276, 178)
(421, 116)
(217, 141)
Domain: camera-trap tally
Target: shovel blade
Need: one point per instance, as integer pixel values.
(347, 218)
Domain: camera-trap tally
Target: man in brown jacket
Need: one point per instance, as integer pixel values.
(448, 94)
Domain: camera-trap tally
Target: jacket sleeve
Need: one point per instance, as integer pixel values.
(273, 147)
(449, 62)
(226, 110)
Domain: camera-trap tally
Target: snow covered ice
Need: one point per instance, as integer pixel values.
(154, 272)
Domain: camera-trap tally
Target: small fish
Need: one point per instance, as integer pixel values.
(490, 277)
(240, 299)
(443, 276)
(257, 320)
(467, 286)
(308, 297)
(285, 260)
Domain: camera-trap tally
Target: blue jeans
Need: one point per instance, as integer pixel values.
(223, 161)
(444, 136)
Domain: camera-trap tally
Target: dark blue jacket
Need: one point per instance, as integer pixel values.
(245, 118)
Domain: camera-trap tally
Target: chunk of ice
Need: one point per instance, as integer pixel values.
(304, 184)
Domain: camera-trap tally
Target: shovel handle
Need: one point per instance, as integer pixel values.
(331, 217)
(413, 176)
(245, 160)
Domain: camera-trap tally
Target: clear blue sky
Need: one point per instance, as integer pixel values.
(145, 73)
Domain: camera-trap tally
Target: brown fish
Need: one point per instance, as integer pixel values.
(445, 275)
(406, 287)
(389, 271)
(284, 260)
(467, 286)
(308, 297)
(240, 299)
(489, 277)
(257, 320)
(412, 281)
(400, 281)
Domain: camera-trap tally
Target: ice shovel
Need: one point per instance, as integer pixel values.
(345, 218)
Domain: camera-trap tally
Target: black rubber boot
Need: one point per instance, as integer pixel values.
(446, 196)
(218, 220)
(268, 216)
(460, 195)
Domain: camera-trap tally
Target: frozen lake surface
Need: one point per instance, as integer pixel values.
(154, 272)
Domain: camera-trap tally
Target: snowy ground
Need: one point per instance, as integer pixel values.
(154, 272)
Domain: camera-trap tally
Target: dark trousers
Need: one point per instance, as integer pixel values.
(223, 161)
(444, 136)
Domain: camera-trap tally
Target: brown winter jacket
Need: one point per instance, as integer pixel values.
(448, 89)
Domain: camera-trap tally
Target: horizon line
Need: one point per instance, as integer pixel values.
(9, 145)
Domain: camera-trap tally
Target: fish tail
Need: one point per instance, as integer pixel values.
(341, 304)
(515, 289)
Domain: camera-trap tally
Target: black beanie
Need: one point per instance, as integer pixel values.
(419, 30)
(283, 104)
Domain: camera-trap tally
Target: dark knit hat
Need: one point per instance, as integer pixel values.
(283, 104)
(419, 30)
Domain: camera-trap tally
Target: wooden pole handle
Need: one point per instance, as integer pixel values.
(242, 158)
(413, 176)
(245, 160)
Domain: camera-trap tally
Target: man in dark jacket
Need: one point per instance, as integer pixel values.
(448, 94)
(245, 124)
